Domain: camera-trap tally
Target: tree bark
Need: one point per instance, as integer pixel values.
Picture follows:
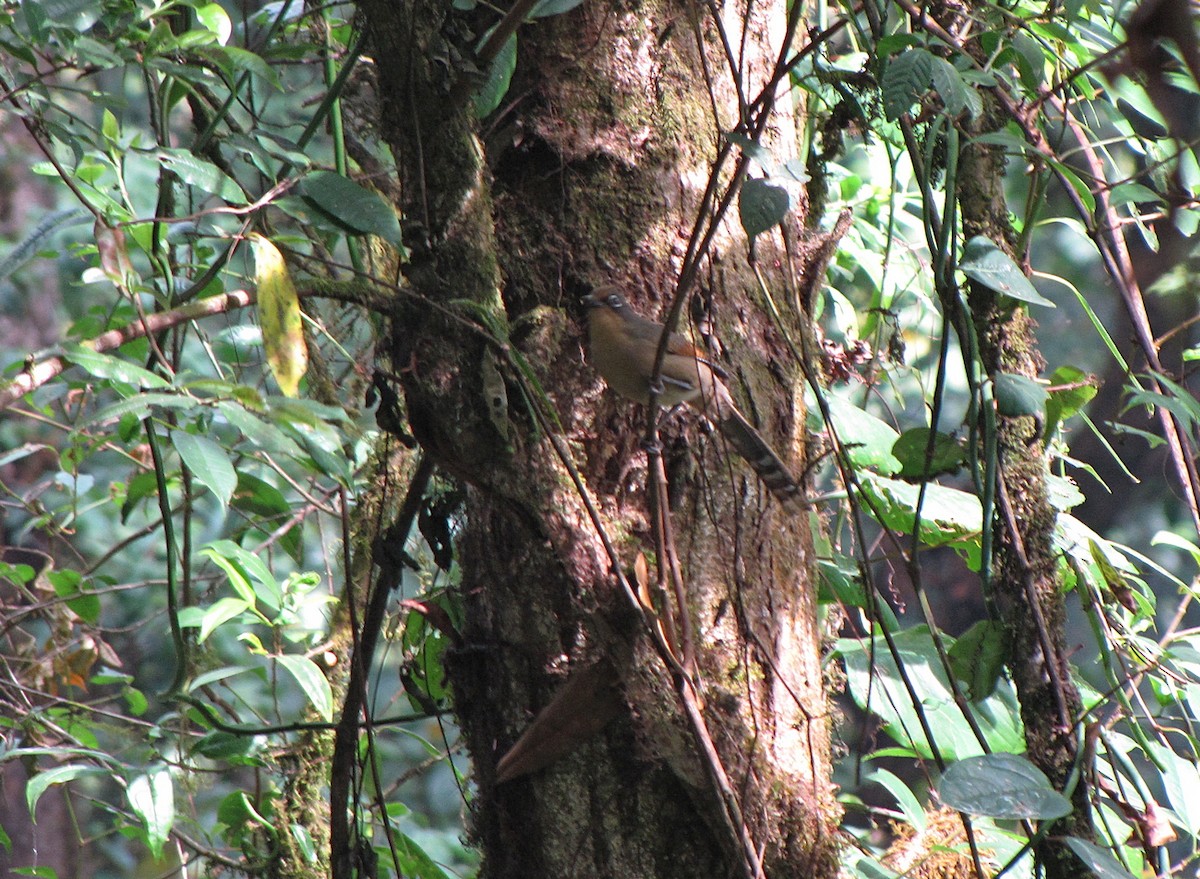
(592, 172)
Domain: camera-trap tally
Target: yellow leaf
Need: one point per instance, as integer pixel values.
(279, 316)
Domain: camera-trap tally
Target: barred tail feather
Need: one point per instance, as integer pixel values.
(749, 443)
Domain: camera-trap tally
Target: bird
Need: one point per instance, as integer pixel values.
(623, 348)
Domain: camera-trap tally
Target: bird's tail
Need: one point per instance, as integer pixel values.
(749, 443)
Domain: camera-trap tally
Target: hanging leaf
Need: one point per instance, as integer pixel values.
(983, 261)
(279, 315)
(114, 255)
(58, 775)
(1001, 786)
(495, 87)
(152, 798)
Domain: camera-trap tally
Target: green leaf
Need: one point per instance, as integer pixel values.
(239, 563)
(69, 585)
(304, 842)
(216, 19)
(868, 440)
(905, 79)
(1070, 390)
(978, 656)
(495, 87)
(262, 434)
(37, 785)
(949, 517)
(984, 262)
(954, 92)
(910, 806)
(268, 509)
(220, 745)
(221, 611)
(1018, 395)
(912, 447)
(138, 405)
(279, 316)
(136, 701)
(202, 174)
(108, 367)
(312, 682)
(1001, 786)
(547, 8)
(152, 798)
(208, 462)
(355, 208)
(876, 685)
(1102, 864)
(762, 205)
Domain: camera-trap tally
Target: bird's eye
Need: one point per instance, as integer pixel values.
(614, 300)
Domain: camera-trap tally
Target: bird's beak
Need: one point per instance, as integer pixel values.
(590, 301)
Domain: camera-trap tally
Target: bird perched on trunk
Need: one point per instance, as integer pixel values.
(624, 345)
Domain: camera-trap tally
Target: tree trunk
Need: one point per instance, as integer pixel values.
(594, 171)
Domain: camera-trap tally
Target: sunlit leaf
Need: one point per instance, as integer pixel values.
(1001, 786)
(983, 261)
(279, 315)
(152, 798)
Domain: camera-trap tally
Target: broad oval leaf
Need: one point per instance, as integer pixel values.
(1018, 395)
(279, 315)
(1001, 786)
(208, 462)
(762, 205)
(222, 611)
(353, 207)
(912, 448)
(201, 174)
(983, 261)
(868, 440)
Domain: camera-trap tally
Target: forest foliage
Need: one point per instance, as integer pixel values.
(180, 466)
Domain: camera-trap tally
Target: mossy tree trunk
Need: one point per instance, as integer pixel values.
(593, 171)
